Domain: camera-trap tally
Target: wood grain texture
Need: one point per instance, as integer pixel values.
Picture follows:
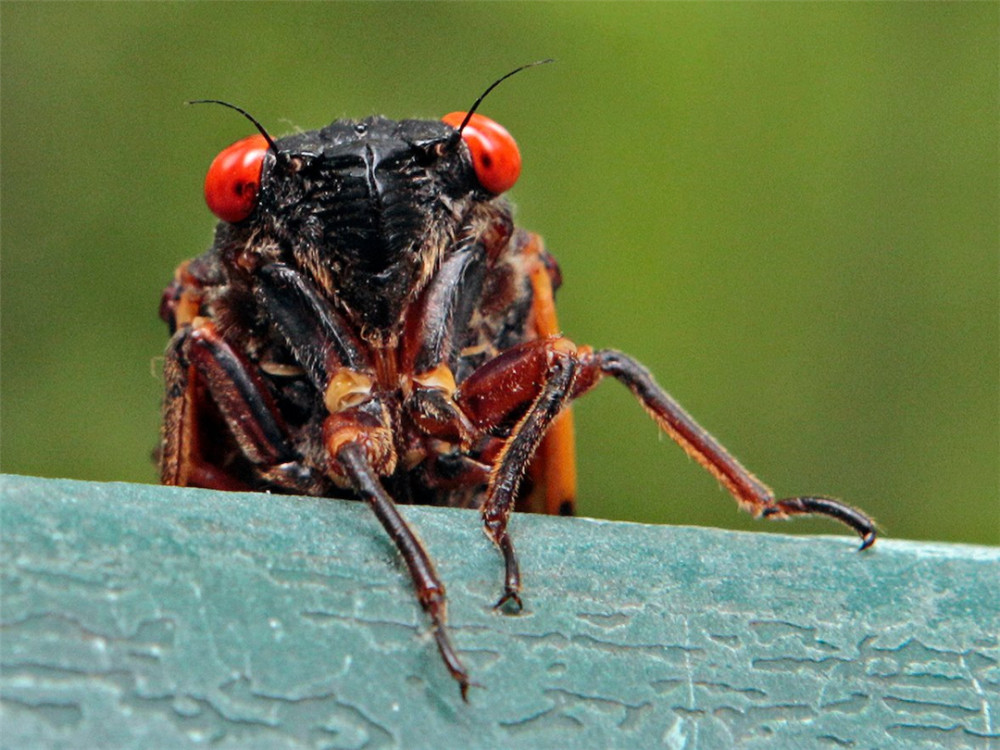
(152, 617)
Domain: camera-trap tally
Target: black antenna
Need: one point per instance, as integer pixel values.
(475, 106)
(250, 117)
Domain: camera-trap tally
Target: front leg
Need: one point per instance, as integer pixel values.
(357, 432)
(320, 340)
(207, 381)
(529, 383)
(359, 444)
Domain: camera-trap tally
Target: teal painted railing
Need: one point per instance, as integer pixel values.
(152, 617)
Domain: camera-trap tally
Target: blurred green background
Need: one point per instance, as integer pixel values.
(789, 212)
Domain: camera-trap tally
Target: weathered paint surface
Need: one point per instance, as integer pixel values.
(141, 616)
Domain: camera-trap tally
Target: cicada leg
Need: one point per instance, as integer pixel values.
(536, 380)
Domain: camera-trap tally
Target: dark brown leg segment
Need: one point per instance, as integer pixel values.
(205, 376)
(237, 391)
(319, 337)
(750, 492)
(536, 380)
(430, 591)
(510, 468)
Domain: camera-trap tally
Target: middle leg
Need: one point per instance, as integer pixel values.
(525, 388)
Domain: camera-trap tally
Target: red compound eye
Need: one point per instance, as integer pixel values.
(495, 156)
(233, 180)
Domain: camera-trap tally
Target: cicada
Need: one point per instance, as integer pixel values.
(370, 323)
